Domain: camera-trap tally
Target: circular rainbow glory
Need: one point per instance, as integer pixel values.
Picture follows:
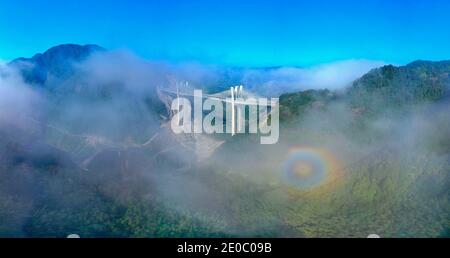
(307, 167)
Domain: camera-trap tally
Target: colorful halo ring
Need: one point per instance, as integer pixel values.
(308, 168)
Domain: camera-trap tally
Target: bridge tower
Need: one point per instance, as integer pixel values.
(237, 92)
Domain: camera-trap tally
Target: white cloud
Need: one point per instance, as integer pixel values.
(18, 102)
(332, 76)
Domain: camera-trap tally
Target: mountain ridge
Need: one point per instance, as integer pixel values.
(56, 61)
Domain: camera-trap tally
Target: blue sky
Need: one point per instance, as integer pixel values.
(241, 33)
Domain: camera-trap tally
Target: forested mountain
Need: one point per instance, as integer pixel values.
(95, 156)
